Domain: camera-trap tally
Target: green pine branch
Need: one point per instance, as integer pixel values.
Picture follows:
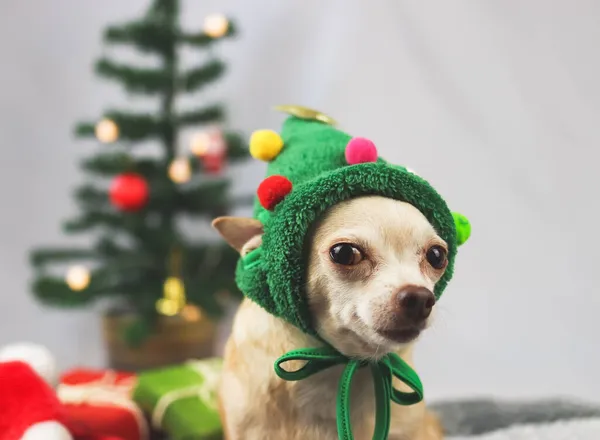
(132, 126)
(151, 81)
(110, 163)
(112, 220)
(108, 248)
(40, 257)
(135, 80)
(195, 78)
(202, 292)
(212, 268)
(132, 264)
(145, 308)
(105, 248)
(200, 198)
(201, 39)
(139, 127)
(213, 113)
(151, 238)
(164, 8)
(90, 196)
(237, 146)
(107, 281)
(209, 258)
(150, 35)
(54, 291)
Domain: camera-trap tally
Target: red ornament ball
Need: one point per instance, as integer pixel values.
(129, 192)
(213, 163)
(273, 190)
(360, 150)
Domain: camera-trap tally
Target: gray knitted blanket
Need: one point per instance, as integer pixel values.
(539, 420)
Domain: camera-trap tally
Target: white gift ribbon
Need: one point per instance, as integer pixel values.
(104, 392)
(210, 371)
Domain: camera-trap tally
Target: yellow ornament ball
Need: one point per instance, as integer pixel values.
(265, 145)
(167, 307)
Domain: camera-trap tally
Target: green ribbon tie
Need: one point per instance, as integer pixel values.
(383, 371)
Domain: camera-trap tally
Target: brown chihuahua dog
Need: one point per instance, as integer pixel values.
(373, 264)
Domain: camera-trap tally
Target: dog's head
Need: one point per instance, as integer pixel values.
(373, 263)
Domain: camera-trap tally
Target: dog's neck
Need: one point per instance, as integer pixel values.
(261, 338)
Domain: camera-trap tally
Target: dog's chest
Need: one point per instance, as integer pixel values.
(316, 397)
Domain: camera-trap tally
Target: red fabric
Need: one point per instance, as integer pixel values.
(25, 399)
(99, 421)
(273, 190)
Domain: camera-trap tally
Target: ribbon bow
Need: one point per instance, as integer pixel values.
(383, 371)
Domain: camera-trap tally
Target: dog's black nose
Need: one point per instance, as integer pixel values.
(416, 303)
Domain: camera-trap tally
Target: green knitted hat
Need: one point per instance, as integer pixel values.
(313, 166)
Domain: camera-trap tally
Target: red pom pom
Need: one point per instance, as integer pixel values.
(360, 150)
(273, 190)
(129, 192)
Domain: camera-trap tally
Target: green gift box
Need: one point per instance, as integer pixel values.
(182, 400)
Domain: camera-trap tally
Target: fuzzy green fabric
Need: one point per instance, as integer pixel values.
(313, 159)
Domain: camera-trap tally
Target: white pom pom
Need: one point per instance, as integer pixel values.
(47, 431)
(36, 356)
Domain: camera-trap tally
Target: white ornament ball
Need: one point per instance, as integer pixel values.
(216, 25)
(107, 131)
(47, 431)
(180, 170)
(78, 278)
(36, 356)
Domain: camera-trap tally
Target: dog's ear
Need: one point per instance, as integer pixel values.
(237, 231)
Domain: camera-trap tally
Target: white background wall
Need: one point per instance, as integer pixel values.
(495, 102)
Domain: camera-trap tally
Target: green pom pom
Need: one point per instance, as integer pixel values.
(264, 217)
(463, 228)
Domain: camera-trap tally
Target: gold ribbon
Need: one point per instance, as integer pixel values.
(106, 391)
(210, 371)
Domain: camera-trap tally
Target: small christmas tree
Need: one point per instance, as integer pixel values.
(133, 204)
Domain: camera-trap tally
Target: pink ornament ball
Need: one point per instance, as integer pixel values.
(360, 150)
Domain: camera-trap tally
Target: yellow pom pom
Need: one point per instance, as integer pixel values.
(265, 145)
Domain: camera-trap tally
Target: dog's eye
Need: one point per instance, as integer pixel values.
(345, 254)
(436, 256)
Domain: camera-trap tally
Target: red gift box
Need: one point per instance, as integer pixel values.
(98, 405)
